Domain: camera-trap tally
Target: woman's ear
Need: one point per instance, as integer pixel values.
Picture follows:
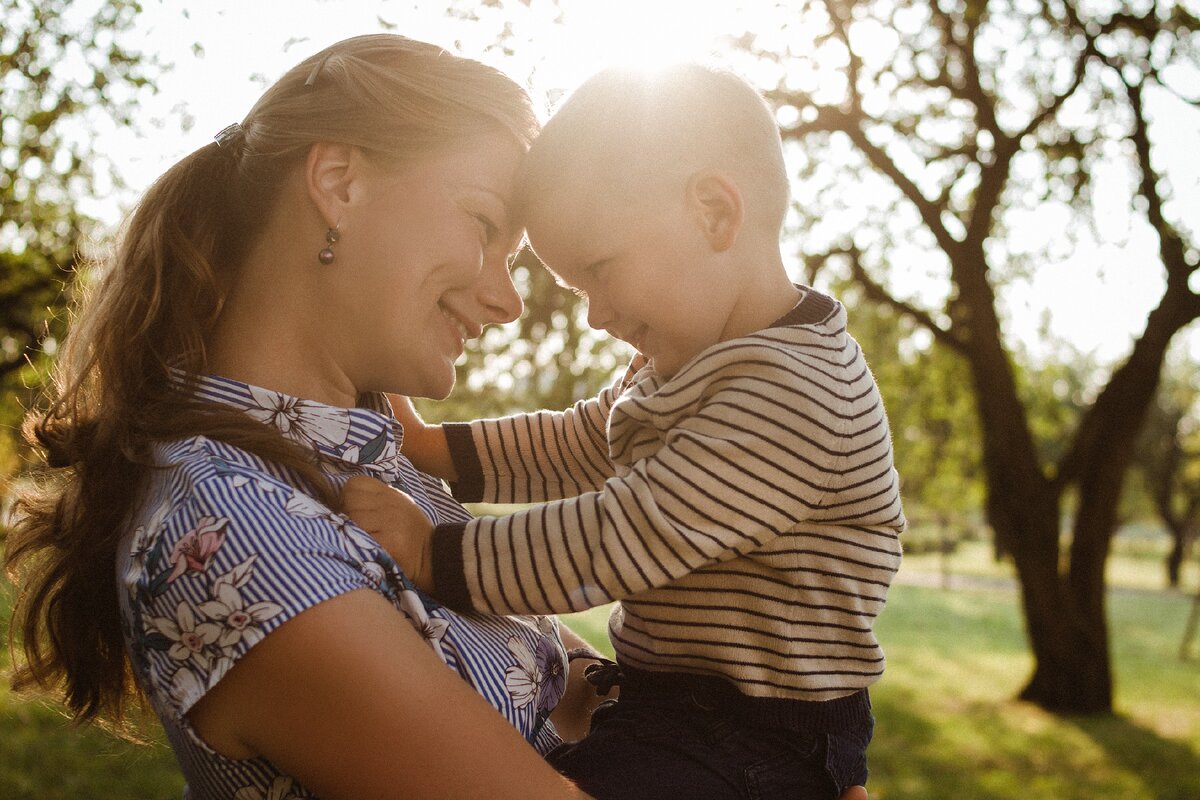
(330, 172)
(716, 202)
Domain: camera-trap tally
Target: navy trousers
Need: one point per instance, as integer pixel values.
(681, 745)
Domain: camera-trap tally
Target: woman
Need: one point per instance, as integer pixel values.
(343, 241)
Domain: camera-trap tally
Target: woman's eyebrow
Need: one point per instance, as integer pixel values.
(504, 201)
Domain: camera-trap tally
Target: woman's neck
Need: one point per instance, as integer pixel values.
(270, 330)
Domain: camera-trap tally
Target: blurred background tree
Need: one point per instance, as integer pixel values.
(958, 124)
(63, 72)
(1168, 459)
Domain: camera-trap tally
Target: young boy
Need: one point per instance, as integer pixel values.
(734, 491)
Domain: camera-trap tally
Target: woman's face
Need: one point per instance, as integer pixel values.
(425, 253)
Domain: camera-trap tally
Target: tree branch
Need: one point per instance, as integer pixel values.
(876, 292)
(854, 68)
(831, 119)
(1170, 244)
(985, 108)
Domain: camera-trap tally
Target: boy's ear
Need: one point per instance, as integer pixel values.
(330, 175)
(716, 202)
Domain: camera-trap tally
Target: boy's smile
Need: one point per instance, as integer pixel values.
(645, 269)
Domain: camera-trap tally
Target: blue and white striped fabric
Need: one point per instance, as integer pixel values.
(225, 549)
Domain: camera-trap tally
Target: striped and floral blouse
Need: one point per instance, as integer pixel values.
(225, 549)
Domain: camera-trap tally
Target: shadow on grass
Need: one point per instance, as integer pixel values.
(907, 759)
(1158, 761)
(927, 750)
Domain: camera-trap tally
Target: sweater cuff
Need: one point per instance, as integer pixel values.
(449, 576)
(469, 486)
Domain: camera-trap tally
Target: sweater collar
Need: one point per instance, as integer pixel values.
(813, 308)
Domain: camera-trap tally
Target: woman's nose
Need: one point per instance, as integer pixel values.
(496, 293)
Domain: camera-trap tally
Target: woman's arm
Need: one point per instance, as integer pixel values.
(348, 698)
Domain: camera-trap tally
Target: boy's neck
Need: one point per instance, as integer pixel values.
(766, 295)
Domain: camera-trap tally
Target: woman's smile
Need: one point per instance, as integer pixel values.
(458, 328)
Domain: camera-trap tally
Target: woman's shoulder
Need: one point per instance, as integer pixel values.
(222, 553)
(198, 459)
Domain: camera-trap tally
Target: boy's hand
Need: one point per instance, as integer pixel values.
(424, 445)
(406, 413)
(396, 522)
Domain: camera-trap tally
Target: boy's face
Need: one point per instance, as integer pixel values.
(648, 274)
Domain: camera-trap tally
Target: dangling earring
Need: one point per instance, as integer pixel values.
(331, 236)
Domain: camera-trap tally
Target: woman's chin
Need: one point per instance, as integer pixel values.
(440, 387)
(428, 386)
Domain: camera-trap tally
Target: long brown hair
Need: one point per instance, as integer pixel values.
(152, 310)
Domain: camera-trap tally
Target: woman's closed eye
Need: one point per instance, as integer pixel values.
(489, 231)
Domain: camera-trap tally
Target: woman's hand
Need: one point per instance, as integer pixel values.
(396, 522)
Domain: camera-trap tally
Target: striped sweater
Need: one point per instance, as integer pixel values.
(745, 512)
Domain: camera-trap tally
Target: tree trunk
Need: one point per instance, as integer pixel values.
(1064, 619)
(1069, 643)
(1178, 551)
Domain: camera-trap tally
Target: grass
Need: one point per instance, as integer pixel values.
(949, 728)
(42, 757)
(947, 724)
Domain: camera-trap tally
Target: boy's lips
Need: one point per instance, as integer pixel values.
(638, 339)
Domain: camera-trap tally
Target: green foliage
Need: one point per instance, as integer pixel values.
(1169, 449)
(65, 72)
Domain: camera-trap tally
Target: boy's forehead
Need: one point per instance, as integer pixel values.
(557, 220)
(572, 195)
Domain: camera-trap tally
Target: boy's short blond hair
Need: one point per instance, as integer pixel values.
(626, 134)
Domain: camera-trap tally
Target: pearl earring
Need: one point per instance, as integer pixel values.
(331, 236)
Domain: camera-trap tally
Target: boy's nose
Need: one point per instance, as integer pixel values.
(599, 314)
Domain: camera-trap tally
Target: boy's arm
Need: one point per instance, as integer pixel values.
(424, 445)
(728, 480)
(524, 458)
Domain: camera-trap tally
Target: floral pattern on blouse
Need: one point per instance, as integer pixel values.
(225, 549)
